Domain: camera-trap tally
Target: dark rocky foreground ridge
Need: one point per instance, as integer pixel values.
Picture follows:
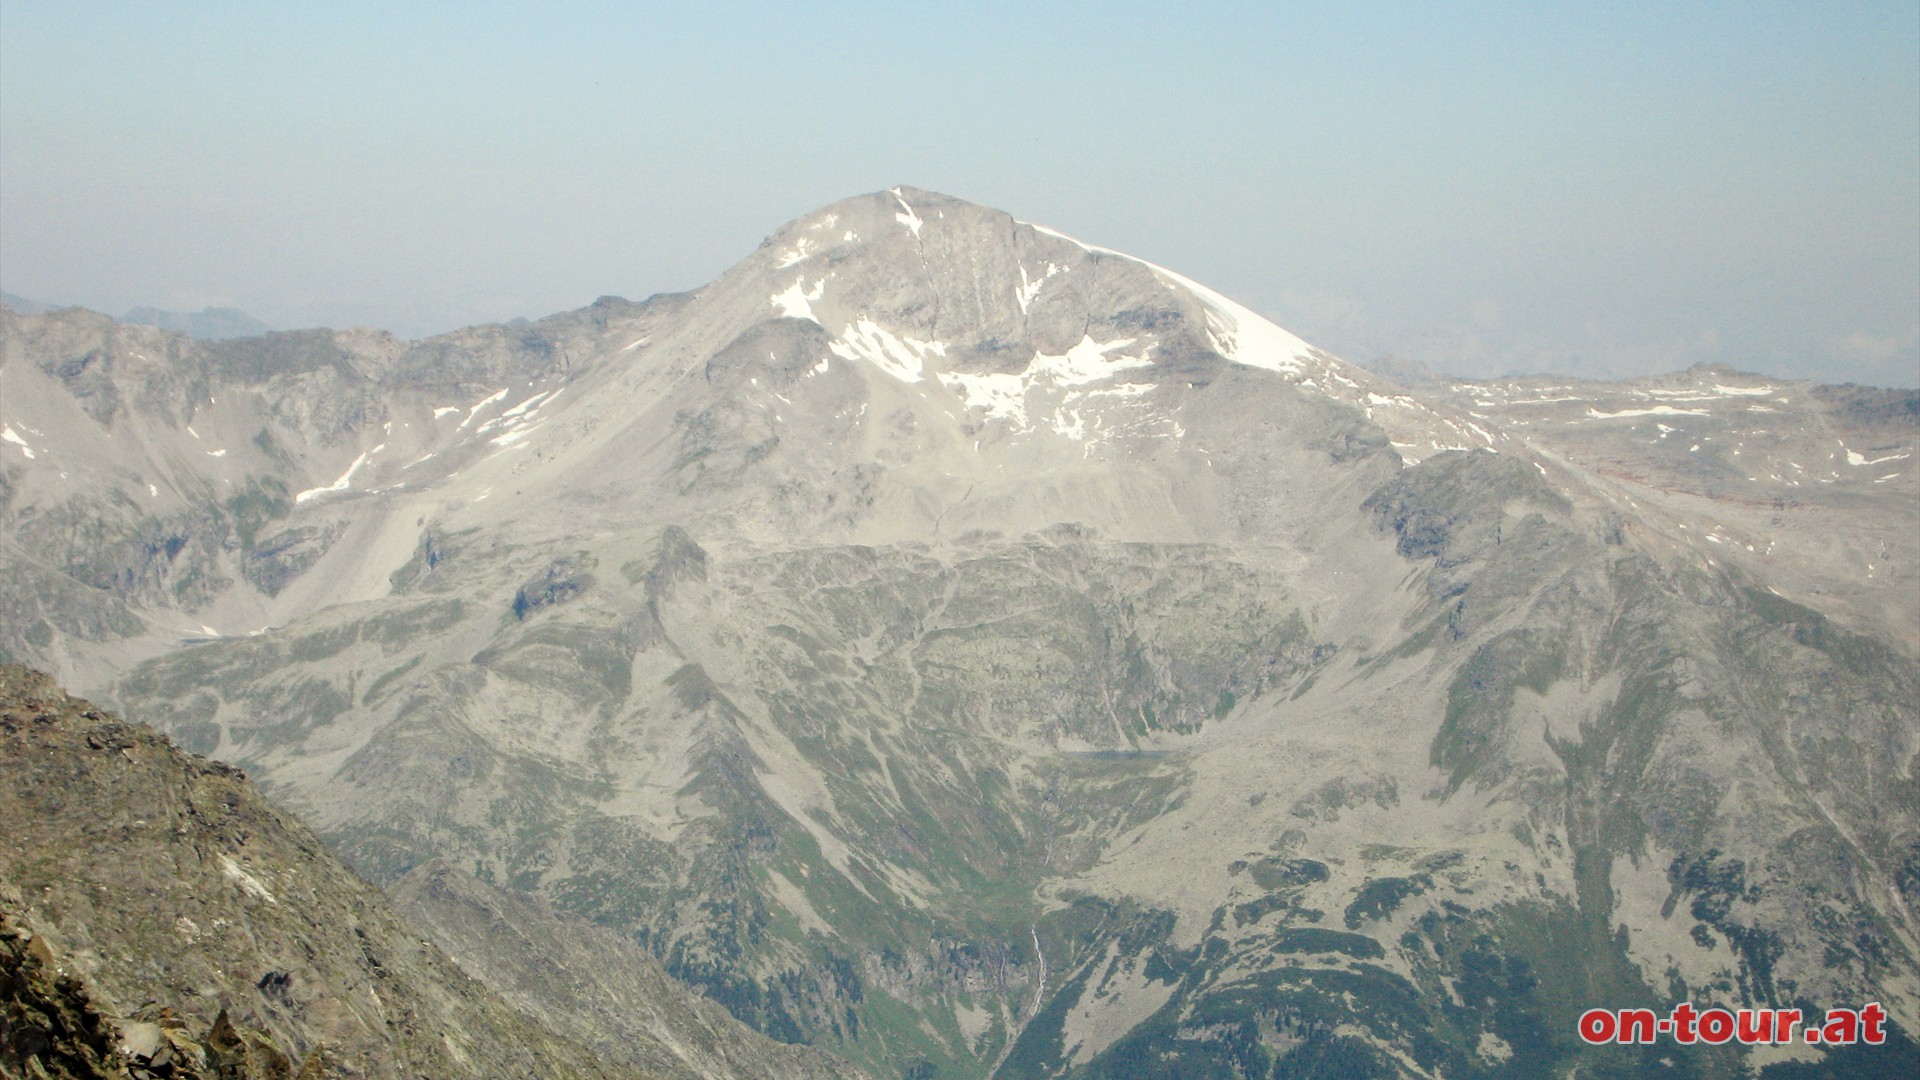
(985, 654)
(159, 919)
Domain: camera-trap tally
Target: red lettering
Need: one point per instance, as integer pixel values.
(1842, 1026)
(1598, 1025)
(1683, 1017)
(1719, 1025)
(1716, 1026)
(1872, 1016)
(1637, 1026)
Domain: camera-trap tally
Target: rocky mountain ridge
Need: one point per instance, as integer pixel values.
(980, 652)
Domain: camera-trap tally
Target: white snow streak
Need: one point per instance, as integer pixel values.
(530, 403)
(1234, 331)
(1657, 410)
(481, 404)
(345, 481)
(910, 219)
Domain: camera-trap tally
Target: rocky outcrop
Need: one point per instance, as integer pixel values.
(48, 1024)
(161, 920)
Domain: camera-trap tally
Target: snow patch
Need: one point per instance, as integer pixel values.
(13, 437)
(1124, 390)
(1004, 396)
(904, 358)
(444, 410)
(1853, 458)
(1717, 390)
(1657, 410)
(795, 304)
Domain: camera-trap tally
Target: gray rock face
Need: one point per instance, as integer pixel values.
(184, 927)
(974, 651)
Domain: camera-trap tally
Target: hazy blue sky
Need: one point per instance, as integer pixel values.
(1616, 188)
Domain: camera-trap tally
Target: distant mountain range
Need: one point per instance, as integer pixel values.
(25, 306)
(981, 653)
(207, 324)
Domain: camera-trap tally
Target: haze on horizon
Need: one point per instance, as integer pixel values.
(1490, 188)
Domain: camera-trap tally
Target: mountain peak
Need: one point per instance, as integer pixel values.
(982, 652)
(999, 264)
(1038, 333)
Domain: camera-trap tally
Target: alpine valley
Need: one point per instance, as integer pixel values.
(973, 652)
